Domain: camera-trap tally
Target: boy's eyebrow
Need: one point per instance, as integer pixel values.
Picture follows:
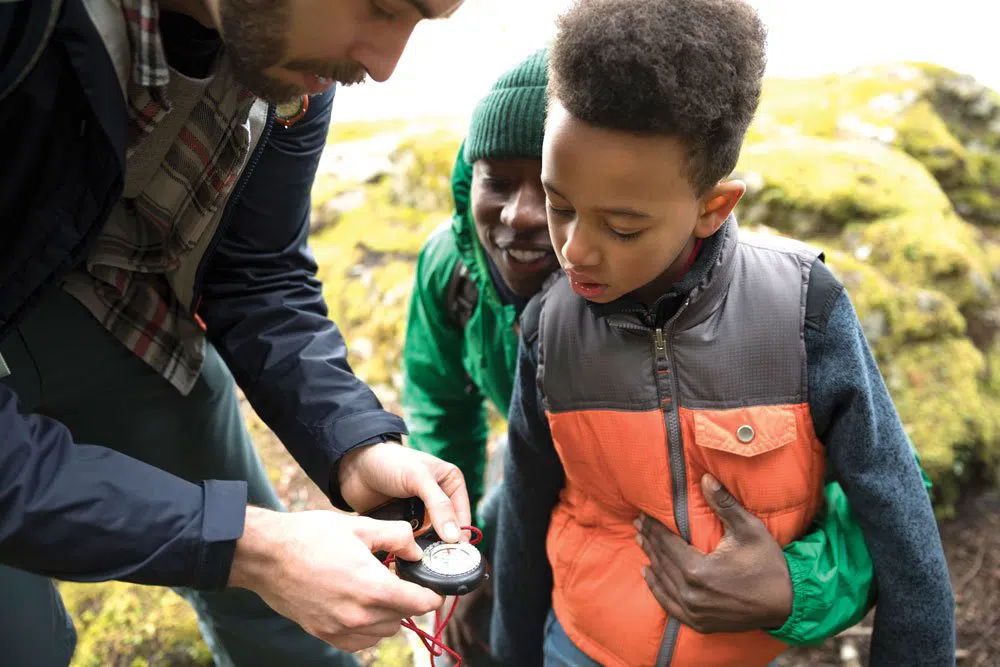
(625, 213)
(424, 9)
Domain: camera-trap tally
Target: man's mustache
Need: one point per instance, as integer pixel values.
(345, 72)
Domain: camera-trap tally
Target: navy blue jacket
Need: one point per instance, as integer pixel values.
(63, 124)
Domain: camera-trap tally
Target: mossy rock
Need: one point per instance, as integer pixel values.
(937, 251)
(810, 187)
(945, 120)
(894, 315)
(422, 171)
(125, 625)
(948, 412)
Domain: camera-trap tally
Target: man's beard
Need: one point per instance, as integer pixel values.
(255, 34)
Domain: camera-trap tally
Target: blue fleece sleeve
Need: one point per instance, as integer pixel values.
(533, 477)
(871, 457)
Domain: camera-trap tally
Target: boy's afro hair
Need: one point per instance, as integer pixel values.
(689, 69)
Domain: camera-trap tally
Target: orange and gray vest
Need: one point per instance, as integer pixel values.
(639, 413)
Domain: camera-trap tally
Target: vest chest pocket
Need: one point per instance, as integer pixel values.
(767, 456)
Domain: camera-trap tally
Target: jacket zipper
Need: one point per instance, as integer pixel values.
(678, 469)
(227, 213)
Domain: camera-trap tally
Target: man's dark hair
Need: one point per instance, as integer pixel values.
(689, 69)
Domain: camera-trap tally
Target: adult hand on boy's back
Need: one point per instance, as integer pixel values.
(743, 585)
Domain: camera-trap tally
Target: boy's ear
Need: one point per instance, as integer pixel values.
(716, 206)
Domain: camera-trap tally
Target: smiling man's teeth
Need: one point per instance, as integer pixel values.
(526, 256)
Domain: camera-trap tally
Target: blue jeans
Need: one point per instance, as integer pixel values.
(559, 649)
(64, 364)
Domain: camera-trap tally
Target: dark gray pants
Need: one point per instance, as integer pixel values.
(65, 365)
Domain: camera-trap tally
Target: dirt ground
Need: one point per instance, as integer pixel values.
(971, 541)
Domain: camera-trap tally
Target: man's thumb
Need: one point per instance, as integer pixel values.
(396, 537)
(733, 515)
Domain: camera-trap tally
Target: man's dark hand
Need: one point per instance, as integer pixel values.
(462, 634)
(743, 585)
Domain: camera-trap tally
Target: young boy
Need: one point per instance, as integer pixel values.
(677, 353)
(461, 351)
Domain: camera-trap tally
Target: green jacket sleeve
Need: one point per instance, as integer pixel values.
(444, 411)
(831, 572)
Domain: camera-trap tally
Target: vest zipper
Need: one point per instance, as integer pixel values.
(666, 375)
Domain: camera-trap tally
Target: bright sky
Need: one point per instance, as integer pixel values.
(449, 64)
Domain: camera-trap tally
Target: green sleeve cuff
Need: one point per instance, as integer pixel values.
(788, 632)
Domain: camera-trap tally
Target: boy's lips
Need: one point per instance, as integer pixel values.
(585, 285)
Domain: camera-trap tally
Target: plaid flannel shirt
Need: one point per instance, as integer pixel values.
(126, 281)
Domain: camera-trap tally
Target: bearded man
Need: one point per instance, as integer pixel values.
(157, 161)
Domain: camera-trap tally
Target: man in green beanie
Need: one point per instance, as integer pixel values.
(474, 277)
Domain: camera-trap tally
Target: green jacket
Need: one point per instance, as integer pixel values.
(450, 372)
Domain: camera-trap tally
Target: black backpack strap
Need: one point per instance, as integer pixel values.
(822, 293)
(462, 295)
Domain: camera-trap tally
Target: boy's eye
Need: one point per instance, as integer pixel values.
(624, 236)
(559, 212)
(380, 12)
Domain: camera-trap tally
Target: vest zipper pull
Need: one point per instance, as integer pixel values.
(661, 342)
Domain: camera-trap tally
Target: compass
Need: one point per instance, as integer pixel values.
(446, 568)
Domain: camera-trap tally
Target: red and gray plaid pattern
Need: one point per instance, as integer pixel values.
(130, 273)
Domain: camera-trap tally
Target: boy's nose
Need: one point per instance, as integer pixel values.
(577, 250)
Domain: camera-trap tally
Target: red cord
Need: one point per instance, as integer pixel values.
(434, 643)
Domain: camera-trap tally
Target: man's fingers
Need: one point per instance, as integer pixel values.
(396, 537)
(669, 552)
(440, 507)
(663, 595)
(737, 520)
(663, 569)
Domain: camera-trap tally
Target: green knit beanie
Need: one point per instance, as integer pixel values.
(510, 120)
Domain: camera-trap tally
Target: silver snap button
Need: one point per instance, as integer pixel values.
(745, 433)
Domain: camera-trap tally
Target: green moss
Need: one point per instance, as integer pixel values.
(422, 177)
(392, 652)
(936, 251)
(945, 410)
(124, 625)
(364, 129)
(894, 315)
(945, 120)
(812, 187)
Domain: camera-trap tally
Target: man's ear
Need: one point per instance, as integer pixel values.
(716, 205)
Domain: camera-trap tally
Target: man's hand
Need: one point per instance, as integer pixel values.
(462, 632)
(743, 585)
(317, 569)
(372, 475)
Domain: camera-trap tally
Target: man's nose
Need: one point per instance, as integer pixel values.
(525, 210)
(380, 55)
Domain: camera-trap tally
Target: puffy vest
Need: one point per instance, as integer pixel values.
(639, 413)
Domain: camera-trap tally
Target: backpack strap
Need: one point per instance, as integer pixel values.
(462, 295)
(821, 295)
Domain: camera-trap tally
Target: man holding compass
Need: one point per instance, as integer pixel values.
(154, 215)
